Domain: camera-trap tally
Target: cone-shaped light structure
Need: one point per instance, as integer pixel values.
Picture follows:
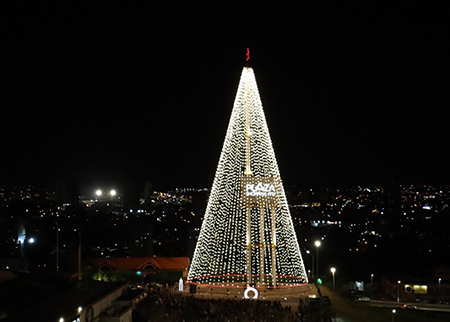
(247, 237)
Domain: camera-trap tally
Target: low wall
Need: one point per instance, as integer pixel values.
(264, 293)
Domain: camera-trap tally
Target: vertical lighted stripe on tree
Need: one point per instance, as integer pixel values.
(247, 235)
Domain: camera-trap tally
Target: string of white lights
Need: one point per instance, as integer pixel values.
(221, 255)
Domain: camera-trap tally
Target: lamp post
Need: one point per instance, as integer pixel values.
(398, 291)
(112, 193)
(57, 247)
(439, 290)
(371, 286)
(317, 243)
(312, 262)
(393, 314)
(333, 272)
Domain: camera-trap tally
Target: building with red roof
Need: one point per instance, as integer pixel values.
(174, 267)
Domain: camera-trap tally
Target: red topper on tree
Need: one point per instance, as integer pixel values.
(248, 55)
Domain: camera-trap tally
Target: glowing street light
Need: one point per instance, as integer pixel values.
(317, 243)
(439, 289)
(333, 272)
(393, 314)
(113, 192)
(98, 193)
(312, 262)
(371, 286)
(31, 240)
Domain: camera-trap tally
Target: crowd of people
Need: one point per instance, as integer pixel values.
(165, 304)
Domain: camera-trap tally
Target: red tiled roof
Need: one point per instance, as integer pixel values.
(175, 263)
(136, 263)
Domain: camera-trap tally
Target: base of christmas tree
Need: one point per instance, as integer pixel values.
(239, 291)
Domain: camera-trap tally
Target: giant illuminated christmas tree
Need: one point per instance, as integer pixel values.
(247, 237)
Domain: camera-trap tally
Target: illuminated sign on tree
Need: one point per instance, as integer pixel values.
(259, 187)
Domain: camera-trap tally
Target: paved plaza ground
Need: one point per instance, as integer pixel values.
(347, 310)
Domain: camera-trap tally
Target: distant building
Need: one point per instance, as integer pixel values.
(148, 191)
(67, 191)
(410, 289)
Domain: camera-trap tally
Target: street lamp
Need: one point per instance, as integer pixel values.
(25, 249)
(371, 286)
(57, 248)
(393, 314)
(439, 289)
(312, 262)
(317, 243)
(112, 193)
(333, 271)
(398, 292)
(98, 192)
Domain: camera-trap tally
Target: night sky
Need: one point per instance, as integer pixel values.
(119, 94)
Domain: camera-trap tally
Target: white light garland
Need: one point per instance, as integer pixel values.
(247, 210)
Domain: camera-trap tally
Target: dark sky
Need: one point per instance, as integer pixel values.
(119, 94)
